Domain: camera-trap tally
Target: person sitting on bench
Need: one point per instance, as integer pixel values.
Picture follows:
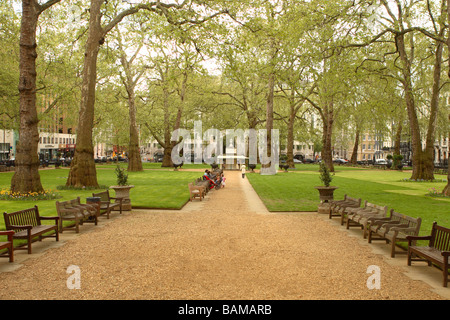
(207, 176)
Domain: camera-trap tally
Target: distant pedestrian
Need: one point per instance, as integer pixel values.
(243, 171)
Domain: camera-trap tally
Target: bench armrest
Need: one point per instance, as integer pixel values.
(8, 233)
(379, 221)
(395, 226)
(49, 218)
(446, 254)
(415, 238)
(404, 229)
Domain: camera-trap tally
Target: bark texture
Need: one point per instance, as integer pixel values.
(423, 165)
(26, 177)
(82, 169)
(354, 158)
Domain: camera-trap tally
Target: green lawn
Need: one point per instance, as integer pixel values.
(294, 191)
(153, 189)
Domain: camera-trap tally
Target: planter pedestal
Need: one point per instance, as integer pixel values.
(123, 192)
(326, 195)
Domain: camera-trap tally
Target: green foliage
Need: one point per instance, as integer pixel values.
(325, 175)
(122, 178)
(9, 67)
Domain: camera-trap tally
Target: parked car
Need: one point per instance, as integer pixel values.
(380, 161)
(340, 161)
(158, 157)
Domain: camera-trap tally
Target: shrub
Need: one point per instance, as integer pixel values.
(122, 178)
(325, 176)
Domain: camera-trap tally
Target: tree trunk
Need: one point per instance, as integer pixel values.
(265, 168)
(446, 190)
(26, 177)
(354, 158)
(290, 137)
(398, 138)
(422, 159)
(428, 153)
(134, 155)
(328, 120)
(82, 170)
(167, 158)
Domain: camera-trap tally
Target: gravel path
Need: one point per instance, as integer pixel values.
(225, 247)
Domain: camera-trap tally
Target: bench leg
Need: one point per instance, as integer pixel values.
(29, 244)
(393, 248)
(369, 236)
(343, 215)
(445, 272)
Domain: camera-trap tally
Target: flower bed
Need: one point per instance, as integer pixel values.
(32, 196)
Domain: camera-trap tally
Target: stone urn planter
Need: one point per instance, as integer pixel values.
(326, 192)
(123, 192)
(325, 195)
(122, 188)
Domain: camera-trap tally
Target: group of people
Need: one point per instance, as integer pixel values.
(215, 179)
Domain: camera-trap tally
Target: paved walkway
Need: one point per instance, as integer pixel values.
(225, 247)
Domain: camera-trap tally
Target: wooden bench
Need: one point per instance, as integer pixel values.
(437, 251)
(353, 210)
(203, 183)
(336, 202)
(8, 245)
(27, 224)
(106, 205)
(339, 207)
(359, 217)
(393, 229)
(196, 192)
(74, 210)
